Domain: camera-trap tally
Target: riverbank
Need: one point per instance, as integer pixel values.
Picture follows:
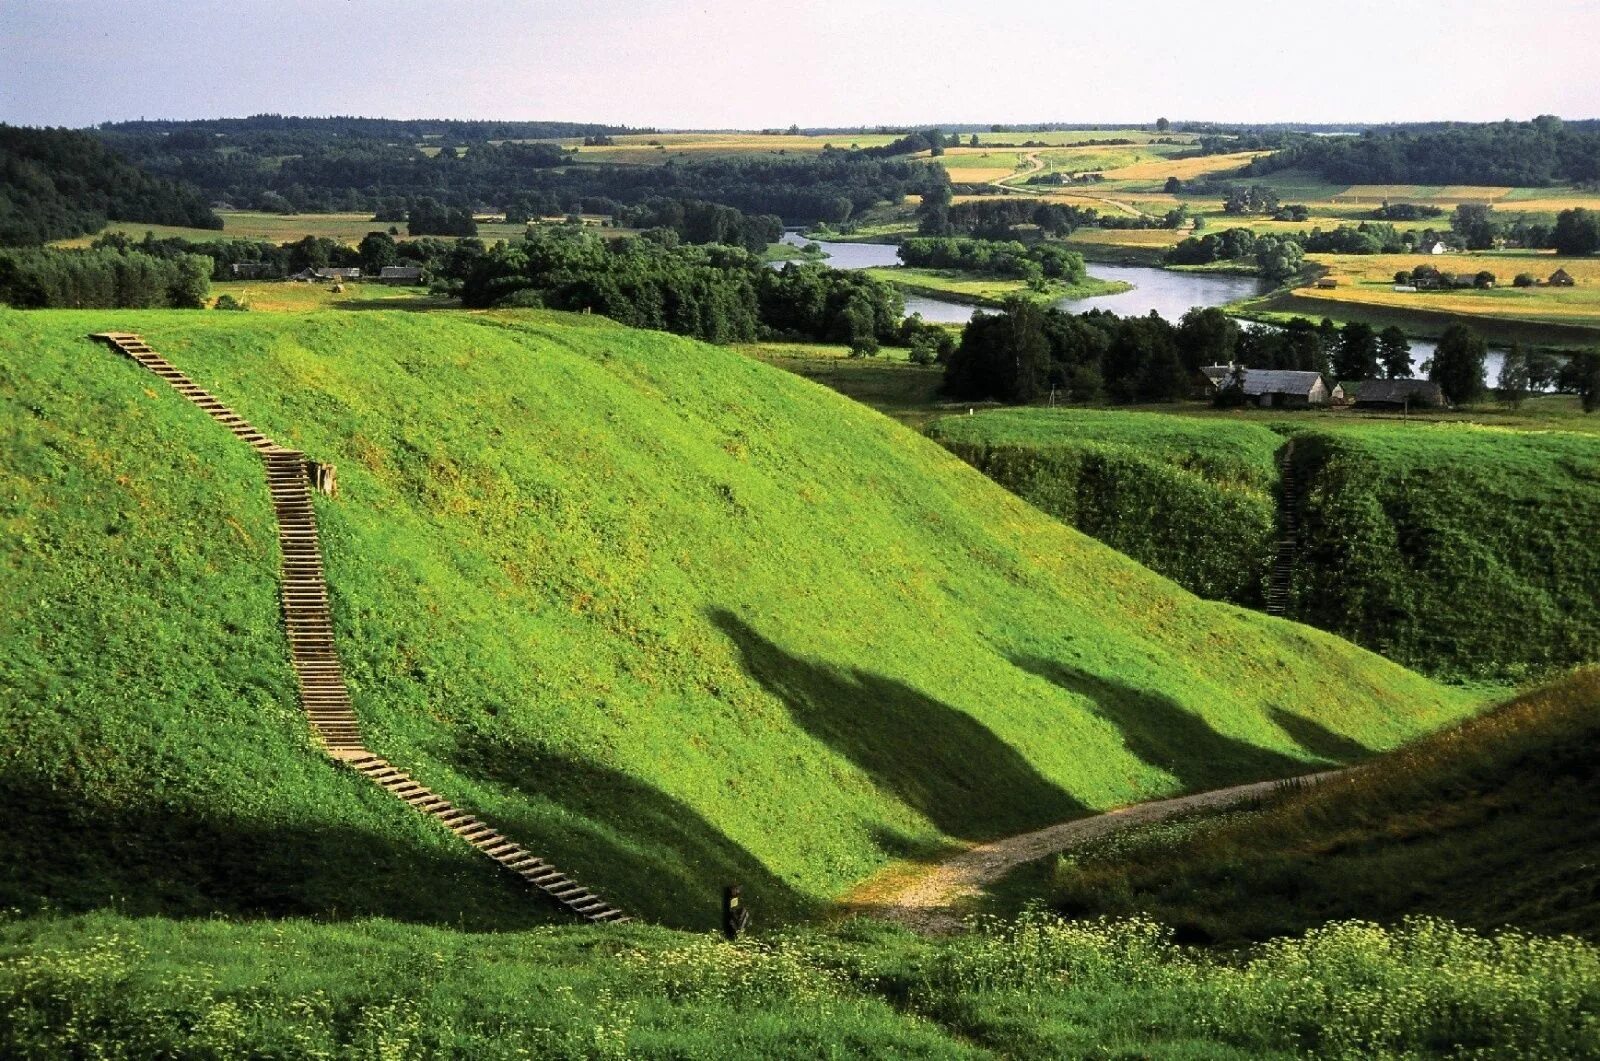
(969, 289)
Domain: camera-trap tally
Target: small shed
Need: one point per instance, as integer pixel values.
(1399, 394)
(1561, 278)
(1327, 283)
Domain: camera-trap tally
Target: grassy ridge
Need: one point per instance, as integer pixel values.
(1192, 499)
(1409, 530)
(667, 615)
(1452, 547)
(1493, 822)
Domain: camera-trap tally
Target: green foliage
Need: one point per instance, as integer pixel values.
(995, 258)
(1489, 823)
(105, 986)
(1451, 547)
(59, 183)
(666, 615)
(1192, 499)
(39, 279)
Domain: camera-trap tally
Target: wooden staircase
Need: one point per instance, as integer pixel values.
(308, 625)
(1282, 574)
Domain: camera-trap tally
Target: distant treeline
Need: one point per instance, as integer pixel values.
(101, 278)
(304, 164)
(1543, 151)
(697, 221)
(716, 293)
(997, 219)
(57, 183)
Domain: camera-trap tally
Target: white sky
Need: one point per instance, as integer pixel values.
(727, 64)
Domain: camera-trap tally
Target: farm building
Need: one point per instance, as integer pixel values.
(1270, 387)
(1433, 246)
(332, 273)
(1561, 278)
(400, 274)
(1327, 283)
(1398, 394)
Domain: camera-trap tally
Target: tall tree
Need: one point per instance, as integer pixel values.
(1513, 382)
(1357, 354)
(1457, 365)
(1577, 232)
(1394, 351)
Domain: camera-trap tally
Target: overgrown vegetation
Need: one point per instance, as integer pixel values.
(1490, 823)
(110, 986)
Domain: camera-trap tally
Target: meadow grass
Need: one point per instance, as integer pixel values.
(664, 614)
(107, 986)
(1489, 823)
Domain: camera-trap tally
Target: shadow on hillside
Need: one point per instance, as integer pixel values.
(1318, 739)
(64, 852)
(1160, 732)
(932, 757)
(647, 851)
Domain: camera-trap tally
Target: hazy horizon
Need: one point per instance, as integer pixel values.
(724, 65)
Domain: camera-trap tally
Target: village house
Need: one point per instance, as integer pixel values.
(1433, 246)
(1269, 387)
(1398, 394)
(1327, 283)
(400, 274)
(1561, 278)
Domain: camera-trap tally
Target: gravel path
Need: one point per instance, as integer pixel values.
(926, 897)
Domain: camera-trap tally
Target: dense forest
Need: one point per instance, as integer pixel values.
(57, 183)
(1543, 151)
(311, 164)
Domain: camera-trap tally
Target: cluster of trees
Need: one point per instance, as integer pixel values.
(102, 277)
(1008, 258)
(57, 183)
(697, 221)
(998, 218)
(934, 141)
(429, 217)
(1542, 151)
(359, 164)
(438, 258)
(1406, 212)
(716, 293)
(1278, 256)
(1256, 199)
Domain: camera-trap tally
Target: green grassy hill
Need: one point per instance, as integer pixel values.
(1493, 822)
(1193, 499)
(665, 614)
(1454, 548)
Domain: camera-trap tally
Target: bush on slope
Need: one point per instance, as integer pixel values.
(667, 615)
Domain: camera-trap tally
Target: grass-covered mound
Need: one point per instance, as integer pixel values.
(1452, 547)
(1193, 499)
(103, 985)
(665, 614)
(1492, 822)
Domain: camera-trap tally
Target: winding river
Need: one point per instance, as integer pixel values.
(1171, 294)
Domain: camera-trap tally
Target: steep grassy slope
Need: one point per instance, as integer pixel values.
(1450, 546)
(1456, 549)
(1492, 822)
(1192, 499)
(666, 614)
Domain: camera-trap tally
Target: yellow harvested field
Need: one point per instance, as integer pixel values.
(1127, 237)
(1183, 168)
(977, 176)
(1369, 280)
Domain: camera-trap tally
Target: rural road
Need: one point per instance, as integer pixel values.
(926, 897)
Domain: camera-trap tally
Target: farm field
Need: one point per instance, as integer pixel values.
(1368, 279)
(541, 685)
